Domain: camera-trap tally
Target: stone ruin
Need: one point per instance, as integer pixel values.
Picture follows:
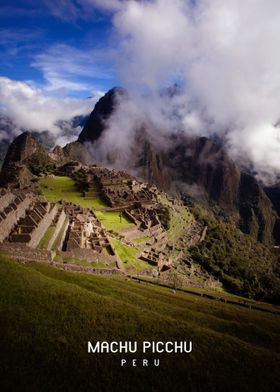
(30, 228)
(85, 231)
(76, 231)
(85, 236)
(13, 206)
(144, 218)
(118, 189)
(68, 168)
(138, 201)
(26, 217)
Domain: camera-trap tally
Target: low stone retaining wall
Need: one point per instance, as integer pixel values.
(58, 227)
(24, 254)
(88, 255)
(92, 270)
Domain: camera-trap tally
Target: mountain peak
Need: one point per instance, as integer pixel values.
(21, 148)
(101, 112)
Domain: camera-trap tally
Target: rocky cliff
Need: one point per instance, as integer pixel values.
(25, 157)
(103, 109)
(192, 165)
(20, 149)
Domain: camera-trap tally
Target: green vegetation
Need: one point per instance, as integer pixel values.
(245, 266)
(43, 244)
(48, 316)
(56, 188)
(141, 239)
(128, 255)
(179, 219)
(58, 239)
(40, 162)
(112, 220)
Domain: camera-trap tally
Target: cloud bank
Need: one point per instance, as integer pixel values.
(31, 109)
(223, 54)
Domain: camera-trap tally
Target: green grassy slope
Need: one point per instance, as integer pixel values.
(128, 255)
(47, 316)
(246, 267)
(180, 218)
(56, 188)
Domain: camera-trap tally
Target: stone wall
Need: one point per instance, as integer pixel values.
(24, 254)
(64, 228)
(58, 227)
(92, 270)
(9, 221)
(88, 255)
(131, 217)
(6, 198)
(43, 225)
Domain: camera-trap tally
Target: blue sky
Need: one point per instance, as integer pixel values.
(57, 45)
(57, 53)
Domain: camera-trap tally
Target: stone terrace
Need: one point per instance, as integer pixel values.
(120, 189)
(144, 218)
(31, 228)
(13, 207)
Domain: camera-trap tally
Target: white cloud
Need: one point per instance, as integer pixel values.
(31, 109)
(226, 55)
(63, 9)
(74, 10)
(67, 68)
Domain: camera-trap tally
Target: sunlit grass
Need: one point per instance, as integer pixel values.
(56, 188)
(139, 240)
(43, 244)
(112, 220)
(47, 316)
(128, 255)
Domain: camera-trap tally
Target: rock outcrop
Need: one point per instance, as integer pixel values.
(77, 151)
(25, 157)
(102, 111)
(20, 149)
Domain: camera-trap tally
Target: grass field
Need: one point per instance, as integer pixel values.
(128, 255)
(140, 240)
(56, 188)
(47, 317)
(111, 220)
(43, 244)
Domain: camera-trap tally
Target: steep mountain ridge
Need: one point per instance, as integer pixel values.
(103, 109)
(192, 166)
